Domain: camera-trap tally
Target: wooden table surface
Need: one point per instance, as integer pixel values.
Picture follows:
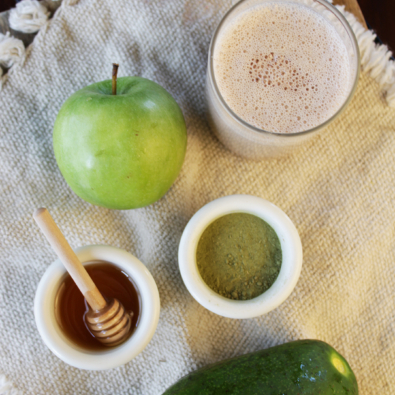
(352, 6)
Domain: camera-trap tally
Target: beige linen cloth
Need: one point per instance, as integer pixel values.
(339, 190)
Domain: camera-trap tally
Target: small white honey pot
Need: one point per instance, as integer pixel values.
(69, 352)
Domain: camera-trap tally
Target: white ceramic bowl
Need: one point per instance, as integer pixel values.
(291, 256)
(69, 352)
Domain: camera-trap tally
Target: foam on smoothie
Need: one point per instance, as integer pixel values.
(282, 68)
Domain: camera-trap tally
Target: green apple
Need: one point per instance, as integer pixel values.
(123, 150)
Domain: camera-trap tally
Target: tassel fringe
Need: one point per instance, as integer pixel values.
(28, 16)
(375, 58)
(12, 50)
(7, 388)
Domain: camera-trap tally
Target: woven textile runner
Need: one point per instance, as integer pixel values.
(339, 190)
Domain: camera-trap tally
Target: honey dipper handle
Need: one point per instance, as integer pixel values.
(69, 259)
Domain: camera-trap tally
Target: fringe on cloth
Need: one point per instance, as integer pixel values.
(12, 50)
(375, 58)
(6, 387)
(28, 16)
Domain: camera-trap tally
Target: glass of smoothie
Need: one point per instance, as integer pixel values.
(278, 73)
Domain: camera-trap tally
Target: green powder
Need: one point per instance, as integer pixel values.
(239, 256)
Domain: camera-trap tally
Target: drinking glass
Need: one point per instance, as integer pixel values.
(250, 141)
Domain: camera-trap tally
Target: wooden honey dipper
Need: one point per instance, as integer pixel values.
(107, 321)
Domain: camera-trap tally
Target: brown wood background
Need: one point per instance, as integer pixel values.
(353, 6)
(379, 15)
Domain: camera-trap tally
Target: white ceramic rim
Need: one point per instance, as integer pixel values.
(75, 356)
(291, 262)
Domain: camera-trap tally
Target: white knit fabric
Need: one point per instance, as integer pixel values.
(339, 190)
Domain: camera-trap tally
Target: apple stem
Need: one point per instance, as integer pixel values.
(114, 78)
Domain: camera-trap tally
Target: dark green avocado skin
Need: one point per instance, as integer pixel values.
(302, 367)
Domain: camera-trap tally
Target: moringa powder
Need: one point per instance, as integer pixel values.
(239, 256)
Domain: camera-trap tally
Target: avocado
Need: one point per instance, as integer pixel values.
(301, 367)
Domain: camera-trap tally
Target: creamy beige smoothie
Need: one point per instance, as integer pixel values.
(282, 67)
(278, 72)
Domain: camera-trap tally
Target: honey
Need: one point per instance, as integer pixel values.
(71, 306)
